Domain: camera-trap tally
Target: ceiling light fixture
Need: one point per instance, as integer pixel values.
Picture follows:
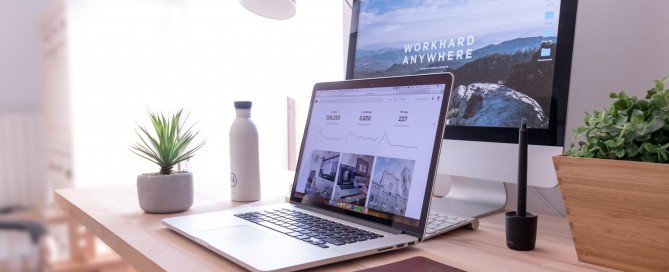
(272, 9)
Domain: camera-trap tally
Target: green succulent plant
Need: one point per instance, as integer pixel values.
(630, 129)
(169, 146)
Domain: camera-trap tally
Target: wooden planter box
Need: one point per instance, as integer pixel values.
(618, 211)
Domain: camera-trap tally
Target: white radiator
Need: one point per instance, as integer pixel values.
(21, 160)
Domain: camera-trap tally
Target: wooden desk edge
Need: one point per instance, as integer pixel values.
(120, 246)
(557, 233)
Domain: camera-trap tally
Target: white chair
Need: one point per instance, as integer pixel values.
(22, 244)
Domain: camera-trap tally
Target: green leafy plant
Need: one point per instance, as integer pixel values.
(630, 129)
(169, 146)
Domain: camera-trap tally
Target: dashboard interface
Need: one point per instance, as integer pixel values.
(368, 151)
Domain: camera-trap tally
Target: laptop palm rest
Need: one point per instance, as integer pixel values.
(234, 235)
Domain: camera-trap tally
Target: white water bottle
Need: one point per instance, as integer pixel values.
(244, 168)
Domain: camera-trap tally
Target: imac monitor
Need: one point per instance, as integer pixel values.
(511, 61)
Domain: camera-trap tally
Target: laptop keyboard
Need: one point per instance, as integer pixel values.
(308, 228)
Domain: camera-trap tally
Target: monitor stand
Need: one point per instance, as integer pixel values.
(468, 197)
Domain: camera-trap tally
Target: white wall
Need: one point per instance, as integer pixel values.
(619, 45)
(21, 157)
(20, 72)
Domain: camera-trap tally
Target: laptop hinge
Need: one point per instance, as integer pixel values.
(350, 219)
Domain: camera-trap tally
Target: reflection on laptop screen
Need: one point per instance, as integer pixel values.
(368, 150)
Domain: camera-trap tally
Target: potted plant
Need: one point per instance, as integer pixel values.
(166, 191)
(615, 183)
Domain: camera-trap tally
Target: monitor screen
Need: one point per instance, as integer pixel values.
(511, 59)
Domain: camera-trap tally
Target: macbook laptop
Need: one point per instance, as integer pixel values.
(363, 182)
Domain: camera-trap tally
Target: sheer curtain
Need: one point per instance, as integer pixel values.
(127, 57)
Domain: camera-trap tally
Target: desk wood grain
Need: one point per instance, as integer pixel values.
(113, 214)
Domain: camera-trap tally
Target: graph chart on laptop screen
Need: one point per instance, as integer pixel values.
(369, 150)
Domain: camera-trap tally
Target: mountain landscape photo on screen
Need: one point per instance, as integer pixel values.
(502, 53)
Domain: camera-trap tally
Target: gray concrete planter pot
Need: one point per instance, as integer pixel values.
(165, 193)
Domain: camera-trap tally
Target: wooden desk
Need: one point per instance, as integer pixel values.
(113, 214)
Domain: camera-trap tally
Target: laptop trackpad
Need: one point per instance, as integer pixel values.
(233, 235)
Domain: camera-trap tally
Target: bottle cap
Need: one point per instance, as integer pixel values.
(243, 104)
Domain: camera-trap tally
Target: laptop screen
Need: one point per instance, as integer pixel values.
(371, 146)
